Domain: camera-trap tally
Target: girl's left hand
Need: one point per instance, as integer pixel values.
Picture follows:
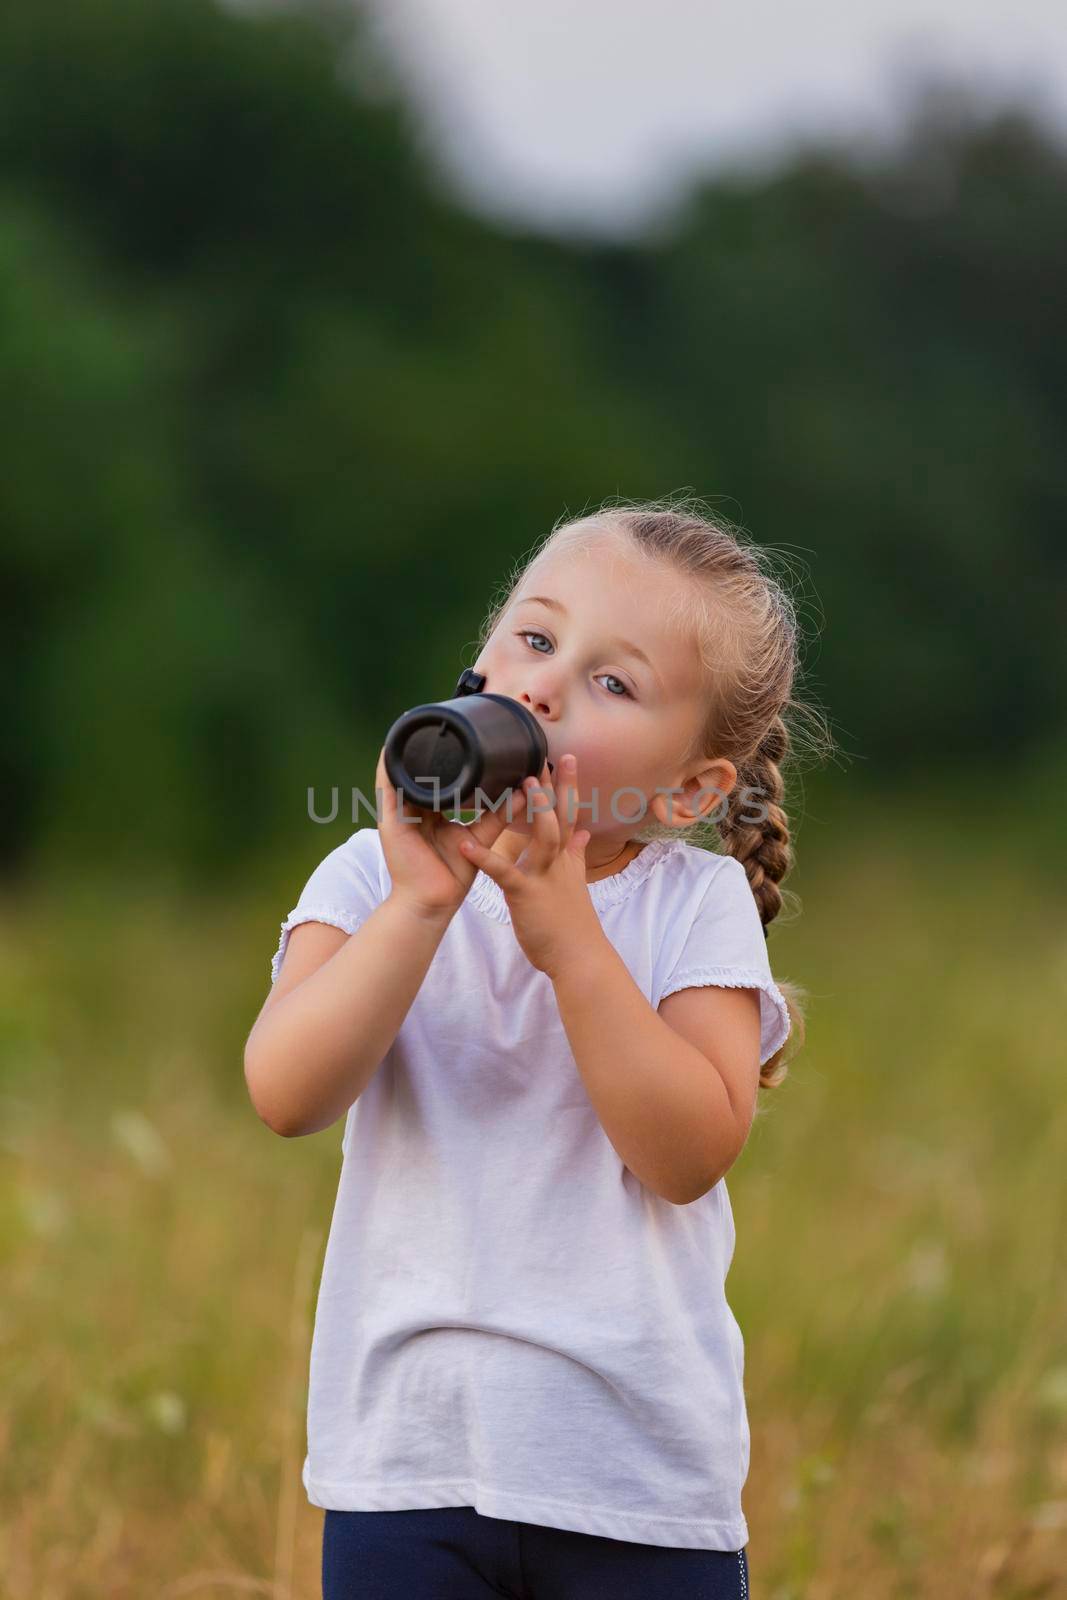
(547, 895)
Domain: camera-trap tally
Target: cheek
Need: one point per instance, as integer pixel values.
(615, 767)
(489, 658)
(603, 767)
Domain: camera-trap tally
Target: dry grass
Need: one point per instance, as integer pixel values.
(899, 1273)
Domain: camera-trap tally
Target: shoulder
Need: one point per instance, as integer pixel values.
(666, 885)
(709, 886)
(364, 846)
(353, 869)
(692, 867)
(712, 866)
(704, 860)
(363, 852)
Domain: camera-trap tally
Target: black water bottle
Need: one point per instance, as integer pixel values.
(446, 754)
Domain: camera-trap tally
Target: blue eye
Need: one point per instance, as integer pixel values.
(532, 633)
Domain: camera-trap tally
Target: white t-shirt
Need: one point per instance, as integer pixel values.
(507, 1317)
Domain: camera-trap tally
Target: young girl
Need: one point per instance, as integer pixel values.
(547, 1028)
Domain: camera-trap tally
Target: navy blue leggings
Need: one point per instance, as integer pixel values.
(456, 1553)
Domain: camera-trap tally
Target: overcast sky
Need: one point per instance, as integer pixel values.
(584, 115)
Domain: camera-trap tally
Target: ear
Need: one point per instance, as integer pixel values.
(701, 794)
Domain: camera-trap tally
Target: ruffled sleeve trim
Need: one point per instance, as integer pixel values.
(775, 1023)
(336, 916)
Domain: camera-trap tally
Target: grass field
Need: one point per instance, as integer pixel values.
(900, 1273)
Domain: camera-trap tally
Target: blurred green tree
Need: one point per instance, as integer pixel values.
(279, 416)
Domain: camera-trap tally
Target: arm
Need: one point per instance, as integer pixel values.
(676, 1098)
(313, 1050)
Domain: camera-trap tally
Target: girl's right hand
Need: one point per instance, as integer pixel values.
(425, 864)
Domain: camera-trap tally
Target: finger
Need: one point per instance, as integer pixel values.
(487, 861)
(386, 796)
(568, 799)
(488, 825)
(553, 782)
(394, 802)
(541, 809)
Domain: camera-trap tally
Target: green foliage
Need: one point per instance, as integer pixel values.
(278, 417)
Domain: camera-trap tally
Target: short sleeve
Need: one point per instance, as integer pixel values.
(725, 945)
(345, 887)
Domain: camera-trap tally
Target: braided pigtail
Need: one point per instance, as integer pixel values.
(755, 830)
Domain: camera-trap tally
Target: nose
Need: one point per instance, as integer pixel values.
(541, 703)
(542, 710)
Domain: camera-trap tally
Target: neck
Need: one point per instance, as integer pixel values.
(602, 868)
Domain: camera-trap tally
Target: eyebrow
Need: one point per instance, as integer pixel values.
(622, 644)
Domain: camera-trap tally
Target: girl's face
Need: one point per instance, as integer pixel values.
(587, 647)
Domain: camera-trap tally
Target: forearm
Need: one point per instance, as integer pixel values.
(313, 1052)
(660, 1101)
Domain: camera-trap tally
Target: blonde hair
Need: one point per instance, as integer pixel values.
(743, 623)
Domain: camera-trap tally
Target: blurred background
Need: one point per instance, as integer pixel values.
(313, 320)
